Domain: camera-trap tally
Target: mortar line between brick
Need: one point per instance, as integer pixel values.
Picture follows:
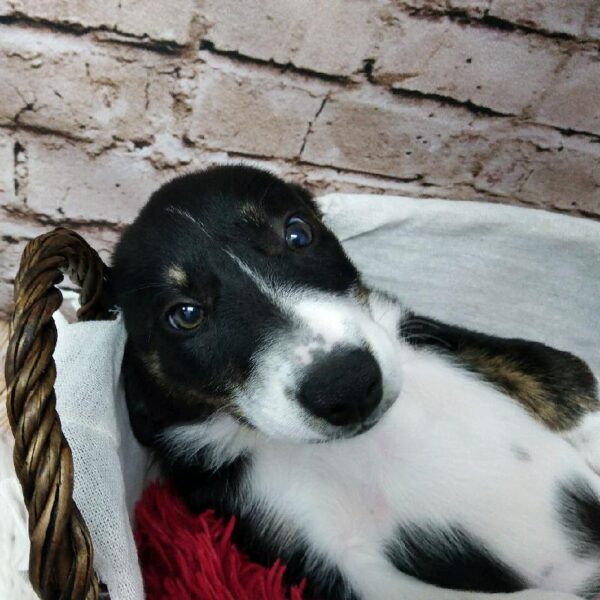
(489, 22)
(380, 176)
(127, 39)
(311, 123)
(235, 55)
(477, 109)
(43, 219)
(468, 105)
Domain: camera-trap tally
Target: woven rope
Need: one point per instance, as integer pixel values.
(61, 557)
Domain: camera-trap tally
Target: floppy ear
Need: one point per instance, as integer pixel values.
(145, 403)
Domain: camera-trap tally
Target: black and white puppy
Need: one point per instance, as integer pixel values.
(380, 454)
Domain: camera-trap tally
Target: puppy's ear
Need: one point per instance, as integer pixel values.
(306, 196)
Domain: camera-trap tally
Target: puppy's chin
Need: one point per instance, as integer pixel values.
(312, 430)
(352, 431)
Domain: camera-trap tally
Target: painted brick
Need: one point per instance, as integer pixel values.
(447, 149)
(497, 69)
(77, 91)
(141, 18)
(592, 26)
(556, 16)
(64, 183)
(14, 234)
(567, 181)
(257, 115)
(429, 5)
(475, 8)
(332, 37)
(472, 7)
(7, 187)
(574, 101)
(402, 138)
(564, 177)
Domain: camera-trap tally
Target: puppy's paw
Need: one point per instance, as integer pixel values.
(585, 438)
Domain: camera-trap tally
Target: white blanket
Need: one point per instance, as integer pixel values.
(504, 270)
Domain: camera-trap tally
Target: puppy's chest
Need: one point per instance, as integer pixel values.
(401, 472)
(453, 457)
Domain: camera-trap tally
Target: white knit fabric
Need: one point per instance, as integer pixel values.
(109, 465)
(504, 270)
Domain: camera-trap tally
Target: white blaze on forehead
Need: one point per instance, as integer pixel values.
(266, 287)
(318, 321)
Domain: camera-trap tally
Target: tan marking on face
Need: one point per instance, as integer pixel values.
(151, 361)
(177, 276)
(188, 397)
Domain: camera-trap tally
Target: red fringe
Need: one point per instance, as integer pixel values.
(191, 557)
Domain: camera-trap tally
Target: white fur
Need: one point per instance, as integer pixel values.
(446, 452)
(586, 439)
(448, 435)
(321, 322)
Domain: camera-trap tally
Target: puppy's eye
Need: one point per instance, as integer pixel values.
(185, 316)
(298, 233)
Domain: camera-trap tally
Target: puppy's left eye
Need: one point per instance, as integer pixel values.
(298, 233)
(185, 316)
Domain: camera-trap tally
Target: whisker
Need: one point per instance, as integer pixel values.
(421, 321)
(424, 337)
(144, 287)
(184, 214)
(262, 198)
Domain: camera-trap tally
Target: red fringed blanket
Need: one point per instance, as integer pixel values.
(191, 557)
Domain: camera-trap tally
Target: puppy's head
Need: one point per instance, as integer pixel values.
(237, 299)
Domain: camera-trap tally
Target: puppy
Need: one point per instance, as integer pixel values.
(378, 453)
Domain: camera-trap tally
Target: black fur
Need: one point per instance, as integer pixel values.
(555, 386)
(579, 508)
(450, 558)
(196, 370)
(175, 377)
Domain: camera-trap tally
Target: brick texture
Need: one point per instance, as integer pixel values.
(252, 115)
(556, 16)
(506, 73)
(101, 102)
(571, 102)
(160, 21)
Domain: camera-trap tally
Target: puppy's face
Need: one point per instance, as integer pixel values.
(238, 299)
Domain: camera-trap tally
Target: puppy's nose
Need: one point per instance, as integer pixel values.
(343, 388)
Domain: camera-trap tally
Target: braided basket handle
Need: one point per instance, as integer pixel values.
(61, 556)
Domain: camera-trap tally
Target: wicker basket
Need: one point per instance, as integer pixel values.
(61, 556)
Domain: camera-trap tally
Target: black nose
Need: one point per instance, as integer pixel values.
(343, 388)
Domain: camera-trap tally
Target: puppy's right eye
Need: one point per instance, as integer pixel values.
(185, 316)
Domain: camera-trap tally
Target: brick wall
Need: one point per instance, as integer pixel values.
(100, 102)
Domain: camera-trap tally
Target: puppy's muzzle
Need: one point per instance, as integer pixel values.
(343, 388)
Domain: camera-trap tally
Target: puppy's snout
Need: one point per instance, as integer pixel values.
(344, 388)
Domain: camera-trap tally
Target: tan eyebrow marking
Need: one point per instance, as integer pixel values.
(177, 276)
